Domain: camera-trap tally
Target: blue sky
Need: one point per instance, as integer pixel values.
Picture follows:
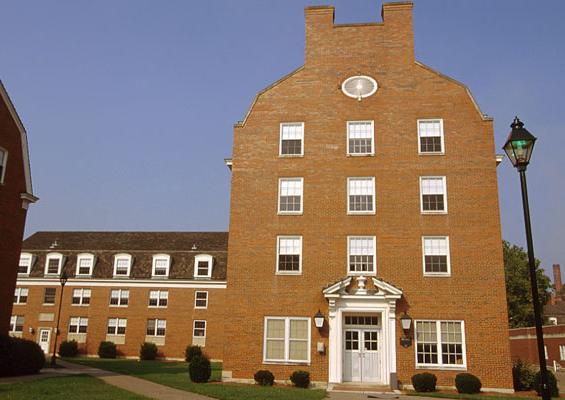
(129, 105)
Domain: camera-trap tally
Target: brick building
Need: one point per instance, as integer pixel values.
(15, 195)
(523, 345)
(368, 203)
(126, 287)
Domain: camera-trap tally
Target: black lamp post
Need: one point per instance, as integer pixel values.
(519, 147)
(63, 279)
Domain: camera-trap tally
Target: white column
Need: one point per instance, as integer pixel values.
(333, 345)
(392, 343)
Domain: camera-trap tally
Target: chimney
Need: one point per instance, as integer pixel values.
(397, 20)
(557, 277)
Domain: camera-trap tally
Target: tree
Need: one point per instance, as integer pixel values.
(518, 288)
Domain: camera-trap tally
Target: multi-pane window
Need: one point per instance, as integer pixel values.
(365, 320)
(430, 136)
(360, 138)
(361, 195)
(290, 195)
(289, 254)
(203, 266)
(440, 343)
(287, 339)
(361, 254)
(81, 297)
(17, 323)
(156, 327)
(3, 161)
(117, 326)
(292, 138)
(49, 295)
(199, 328)
(158, 298)
(433, 194)
(25, 263)
(78, 325)
(161, 264)
(436, 255)
(119, 297)
(122, 265)
(85, 262)
(201, 300)
(20, 295)
(53, 264)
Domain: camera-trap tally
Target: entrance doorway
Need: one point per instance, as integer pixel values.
(44, 339)
(361, 355)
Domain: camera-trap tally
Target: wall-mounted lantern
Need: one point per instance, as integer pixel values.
(31, 330)
(406, 322)
(319, 320)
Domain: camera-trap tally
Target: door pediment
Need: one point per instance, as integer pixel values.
(356, 287)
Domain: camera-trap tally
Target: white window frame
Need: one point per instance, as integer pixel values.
(194, 328)
(299, 272)
(120, 291)
(444, 211)
(372, 153)
(286, 359)
(364, 273)
(120, 256)
(196, 299)
(116, 326)
(154, 264)
(280, 139)
(562, 352)
(203, 257)
(431, 153)
(51, 256)
(14, 322)
(29, 257)
(370, 212)
(78, 325)
(301, 211)
(159, 297)
(85, 256)
(440, 365)
(448, 273)
(81, 297)
(157, 320)
(3, 165)
(18, 295)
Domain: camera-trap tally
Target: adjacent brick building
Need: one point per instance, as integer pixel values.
(523, 345)
(364, 186)
(15, 195)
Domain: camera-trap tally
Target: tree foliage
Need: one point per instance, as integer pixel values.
(518, 289)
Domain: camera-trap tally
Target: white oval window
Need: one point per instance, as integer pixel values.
(359, 87)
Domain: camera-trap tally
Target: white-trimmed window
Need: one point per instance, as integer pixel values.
(20, 295)
(26, 260)
(199, 329)
(562, 352)
(119, 297)
(53, 263)
(122, 264)
(433, 194)
(78, 325)
(287, 340)
(158, 298)
(360, 138)
(85, 263)
(436, 255)
(430, 136)
(440, 344)
(81, 297)
(201, 300)
(361, 255)
(289, 254)
(3, 163)
(290, 195)
(361, 195)
(156, 327)
(117, 326)
(49, 295)
(291, 139)
(161, 263)
(203, 266)
(16, 324)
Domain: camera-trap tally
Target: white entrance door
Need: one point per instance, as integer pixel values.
(44, 339)
(361, 355)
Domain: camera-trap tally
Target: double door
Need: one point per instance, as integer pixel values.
(361, 355)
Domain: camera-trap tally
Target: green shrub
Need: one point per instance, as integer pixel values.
(264, 378)
(199, 369)
(68, 348)
(467, 383)
(5, 355)
(523, 375)
(552, 384)
(148, 351)
(424, 382)
(300, 379)
(107, 350)
(27, 357)
(191, 352)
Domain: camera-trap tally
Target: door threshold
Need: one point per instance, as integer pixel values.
(362, 387)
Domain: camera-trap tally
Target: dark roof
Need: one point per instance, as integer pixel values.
(551, 310)
(127, 241)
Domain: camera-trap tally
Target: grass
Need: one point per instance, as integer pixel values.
(175, 374)
(81, 387)
(468, 396)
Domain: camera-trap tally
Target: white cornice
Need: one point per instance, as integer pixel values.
(142, 283)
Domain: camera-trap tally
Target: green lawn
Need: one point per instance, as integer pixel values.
(175, 374)
(81, 387)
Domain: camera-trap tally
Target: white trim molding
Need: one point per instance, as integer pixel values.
(144, 283)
